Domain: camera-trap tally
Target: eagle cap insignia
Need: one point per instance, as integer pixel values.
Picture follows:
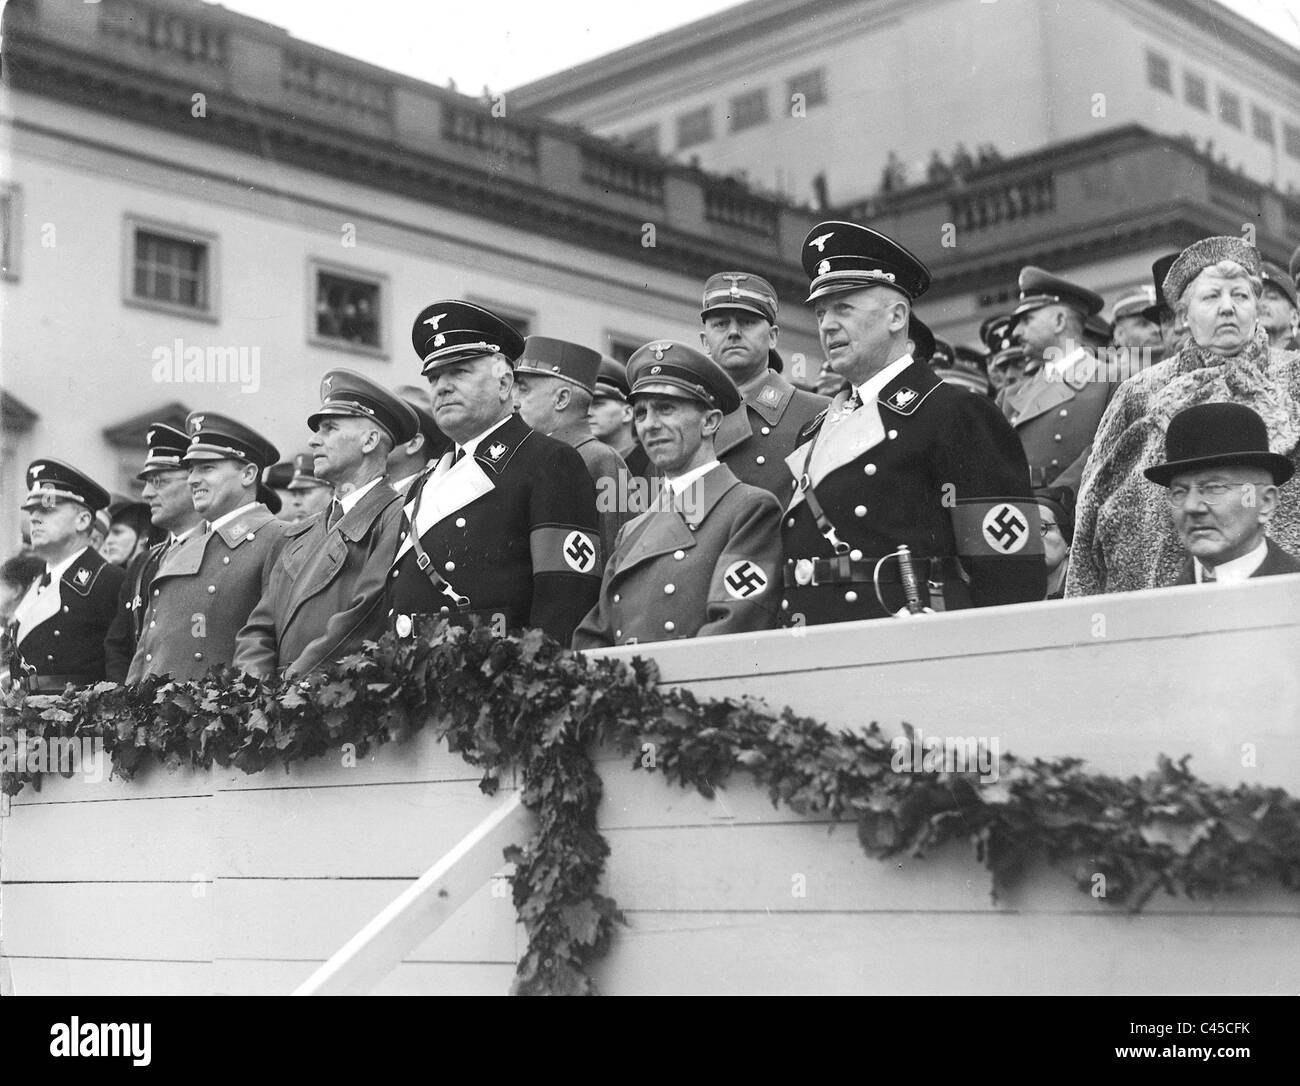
(902, 397)
(37, 469)
(735, 281)
(496, 451)
(435, 320)
(819, 243)
(327, 384)
(148, 438)
(659, 349)
(196, 423)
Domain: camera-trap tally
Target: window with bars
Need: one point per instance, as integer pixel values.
(1291, 140)
(644, 139)
(170, 270)
(522, 321)
(1261, 124)
(1158, 72)
(812, 85)
(748, 110)
(1195, 92)
(348, 309)
(1229, 108)
(621, 347)
(694, 127)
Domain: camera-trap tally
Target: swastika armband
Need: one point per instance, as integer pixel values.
(565, 549)
(992, 528)
(744, 579)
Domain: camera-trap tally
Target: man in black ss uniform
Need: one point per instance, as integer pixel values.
(900, 458)
(505, 521)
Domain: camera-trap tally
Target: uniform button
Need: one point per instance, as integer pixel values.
(1056, 463)
(789, 522)
(148, 657)
(850, 597)
(617, 597)
(856, 555)
(56, 633)
(460, 522)
(860, 511)
(401, 535)
(449, 566)
(50, 659)
(618, 633)
(760, 460)
(393, 573)
(679, 555)
(444, 610)
(152, 625)
(155, 591)
(65, 609)
(870, 469)
(226, 560)
(251, 536)
(785, 605)
(766, 430)
(1056, 437)
(211, 589)
(670, 626)
(693, 527)
(893, 434)
(198, 656)
(669, 589)
(1064, 412)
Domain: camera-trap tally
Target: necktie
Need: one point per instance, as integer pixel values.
(335, 513)
(207, 527)
(853, 402)
(45, 579)
(1207, 575)
(456, 459)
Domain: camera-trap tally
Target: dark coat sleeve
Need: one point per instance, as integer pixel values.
(566, 581)
(985, 465)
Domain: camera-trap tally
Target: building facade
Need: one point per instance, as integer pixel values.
(201, 212)
(809, 99)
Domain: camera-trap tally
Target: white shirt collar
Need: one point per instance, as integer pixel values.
(682, 482)
(869, 390)
(1239, 569)
(349, 501)
(221, 522)
(401, 484)
(471, 446)
(56, 572)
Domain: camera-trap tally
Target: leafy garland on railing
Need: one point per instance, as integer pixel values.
(528, 703)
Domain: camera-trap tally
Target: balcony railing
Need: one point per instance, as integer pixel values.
(183, 36)
(612, 172)
(309, 78)
(729, 205)
(476, 128)
(1021, 198)
(1238, 195)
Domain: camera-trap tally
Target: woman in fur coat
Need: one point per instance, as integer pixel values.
(1124, 538)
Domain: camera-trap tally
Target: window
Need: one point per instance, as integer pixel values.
(694, 127)
(521, 320)
(644, 139)
(1261, 124)
(11, 220)
(1291, 140)
(748, 110)
(347, 309)
(170, 268)
(1158, 73)
(1229, 108)
(812, 85)
(622, 347)
(1195, 91)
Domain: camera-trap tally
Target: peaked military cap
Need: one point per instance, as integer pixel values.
(669, 368)
(1009, 356)
(454, 330)
(1039, 288)
(417, 399)
(570, 362)
(1158, 272)
(740, 290)
(923, 342)
(218, 437)
(164, 448)
(965, 367)
(995, 333)
(1285, 283)
(1213, 434)
(51, 480)
(1133, 304)
(345, 394)
(278, 476)
(1204, 254)
(840, 256)
(611, 380)
(1097, 329)
(304, 474)
(1294, 266)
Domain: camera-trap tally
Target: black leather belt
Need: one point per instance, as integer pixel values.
(809, 572)
(55, 684)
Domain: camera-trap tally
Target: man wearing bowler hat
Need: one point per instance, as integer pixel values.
(324, 594)
(706, 559)
(58, 627)
(610, 417)
(740, 334)
(503, 528)
(554, 383)
(208, 584)
(171, 510)
(1056, 408)
(900, 458)
(1222, 484)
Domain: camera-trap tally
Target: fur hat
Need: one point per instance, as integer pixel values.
(1205, 254)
